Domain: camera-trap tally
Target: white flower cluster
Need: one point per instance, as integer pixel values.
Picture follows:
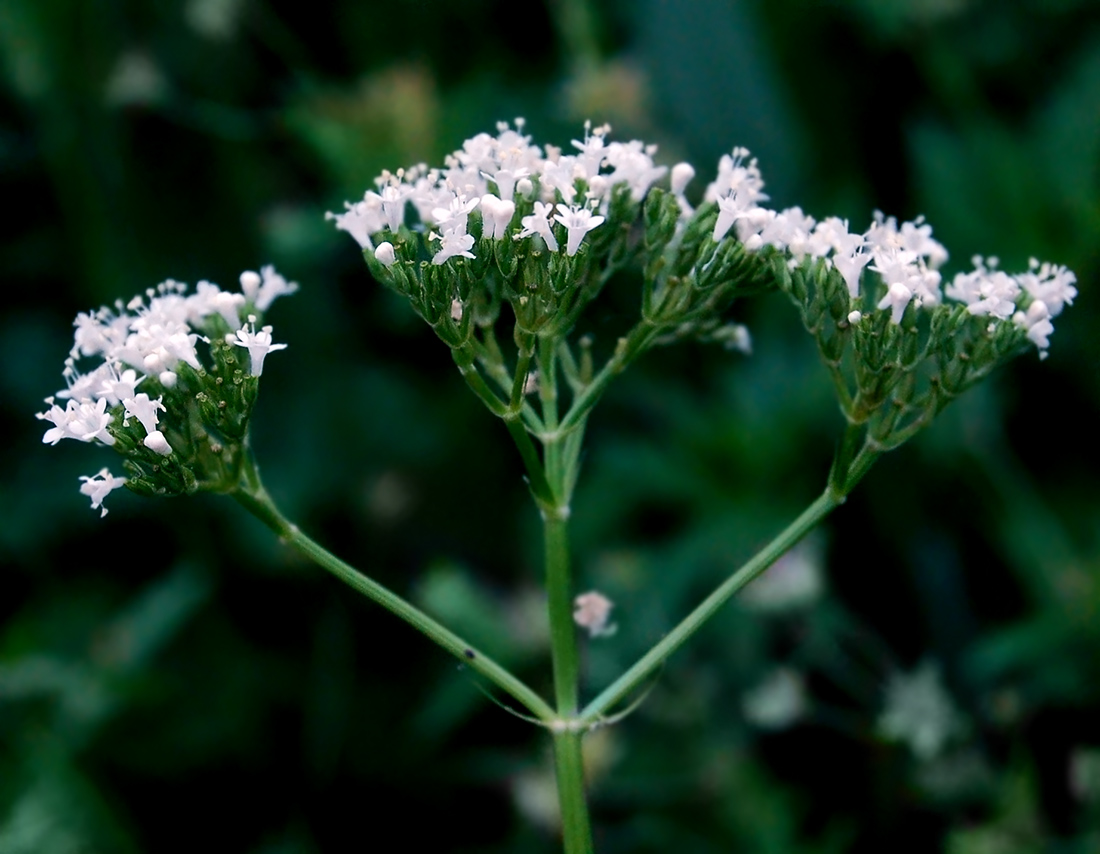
(151, 336)
(573, 190)
(906, 258)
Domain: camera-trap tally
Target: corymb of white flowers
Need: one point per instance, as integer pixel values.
(506, 221)
(185, 430)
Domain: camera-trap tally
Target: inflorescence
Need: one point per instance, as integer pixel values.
(506, 221)
(186, 429)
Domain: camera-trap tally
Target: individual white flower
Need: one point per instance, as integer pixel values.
(682, 173)
(360, 220)
(897, 299)
(986, 290)
(391, 203)
(210, 299)
(1036, 320)
(156, 442)
(454, 242)
(591, 611)
(777, 702)
(384, 254)
(60, 419)
(99, 486)
(496, 216)
(273, 287)
(730, 209)
(539, 223)
(593, 149)
(850, 265)
(454, 217)
(1049, 283)
(633, 165)
(258, 344)
(144, 410)
(250, 284)
(578, 222)
(681, 176)
(918, 711)
(117, 385)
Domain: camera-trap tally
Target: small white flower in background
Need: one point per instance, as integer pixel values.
(918, 711)
(794, 581)
(578, 222)
(777, 702)
(99, 486)
(591, 611)
(258, 344)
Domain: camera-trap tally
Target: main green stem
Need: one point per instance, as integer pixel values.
(560, 473)
(255, 499)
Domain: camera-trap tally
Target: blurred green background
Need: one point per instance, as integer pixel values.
(171, 679)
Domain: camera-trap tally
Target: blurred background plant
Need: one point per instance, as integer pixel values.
(172, 668)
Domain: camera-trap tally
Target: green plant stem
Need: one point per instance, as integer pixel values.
(565, 659)
(253, 497)
(569, 765)
(656, 657)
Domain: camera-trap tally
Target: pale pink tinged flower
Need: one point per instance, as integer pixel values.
(168, 379)
(897, 299)
(539, 223)
(384, 254)
(99, 486)
(258, 344)
(578, 222)
(456, 310)
(496, 216)
(591, 611)
(454, 242)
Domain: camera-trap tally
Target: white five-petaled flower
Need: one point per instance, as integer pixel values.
(258, 344)
(454, 242)
(145, 410)
(83, 420)
(578, 222)
(99, 486)
(539, 223)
